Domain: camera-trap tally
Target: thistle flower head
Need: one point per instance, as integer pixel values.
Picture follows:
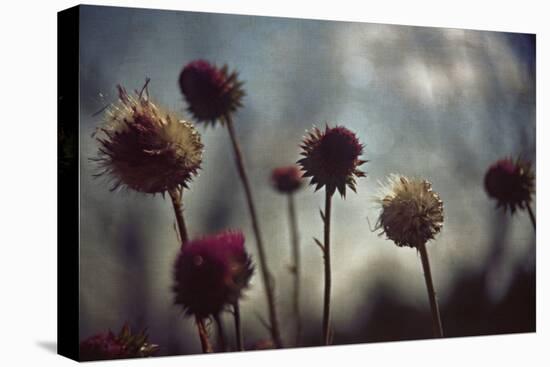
(211, 272)
(331, 158)
(210, 92)
(110, 346)
(511, 183)
(286, 179)
(145, 148)
(412, 213)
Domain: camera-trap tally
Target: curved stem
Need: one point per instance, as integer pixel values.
(328, 275)
(203, 335)
(238, 329)
(436, 318)
(532, 216)
(176, 195)
(222, 345)
(296, 267)
(266, 275)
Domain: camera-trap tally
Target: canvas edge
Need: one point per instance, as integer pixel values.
(68, 218)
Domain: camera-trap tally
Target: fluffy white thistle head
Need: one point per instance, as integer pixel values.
(412, 213)
(146, 149)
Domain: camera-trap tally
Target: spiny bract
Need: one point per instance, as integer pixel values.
(331, 158)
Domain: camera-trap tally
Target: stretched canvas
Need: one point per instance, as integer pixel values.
(230, 183)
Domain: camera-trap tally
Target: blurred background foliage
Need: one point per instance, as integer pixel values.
(432, 102)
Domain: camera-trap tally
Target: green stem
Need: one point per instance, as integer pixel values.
(328, 274)
(532, 216)
(436, 318)
(266, 275)
(296, 267)
(238, 329)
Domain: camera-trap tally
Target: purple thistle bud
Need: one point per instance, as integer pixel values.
(511, 183)
(101, 346)
(210, 92)
(211, 272)
(331, 158)
(286, 179)
(110, 346)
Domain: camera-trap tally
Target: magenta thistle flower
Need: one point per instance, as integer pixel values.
(511, 183)
(331, 159)
(286, 179)
(211, 272)
(145, 148)
(210, 92)
(110, 346)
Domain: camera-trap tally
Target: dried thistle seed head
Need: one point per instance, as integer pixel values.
(331, 158)
(286, 179)
(511, 183)
(110, 346)
(210, 92)
(412, 213)
(145, 148)
(211, 272)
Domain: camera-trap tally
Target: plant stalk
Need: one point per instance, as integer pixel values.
(238, 329)
(203, 335)
(222, 345)
(266, 275)
(176, 196)
(328, 274)
(295, 267)
(436, 318)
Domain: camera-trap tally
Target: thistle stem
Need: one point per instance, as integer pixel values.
(296, 267)
(238, 329)
(436, 318)
(532, 216)
(222, 345)
(203, 335)
(266, 275)
(176, 195)
(328, 274)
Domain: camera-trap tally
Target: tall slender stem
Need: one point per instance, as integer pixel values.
(222, 345)
(176, 195)
(532, 216)
(238, 329)
(296, 267)
(328, 274)
(436, 318)
(203, 335)
(266, 275)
